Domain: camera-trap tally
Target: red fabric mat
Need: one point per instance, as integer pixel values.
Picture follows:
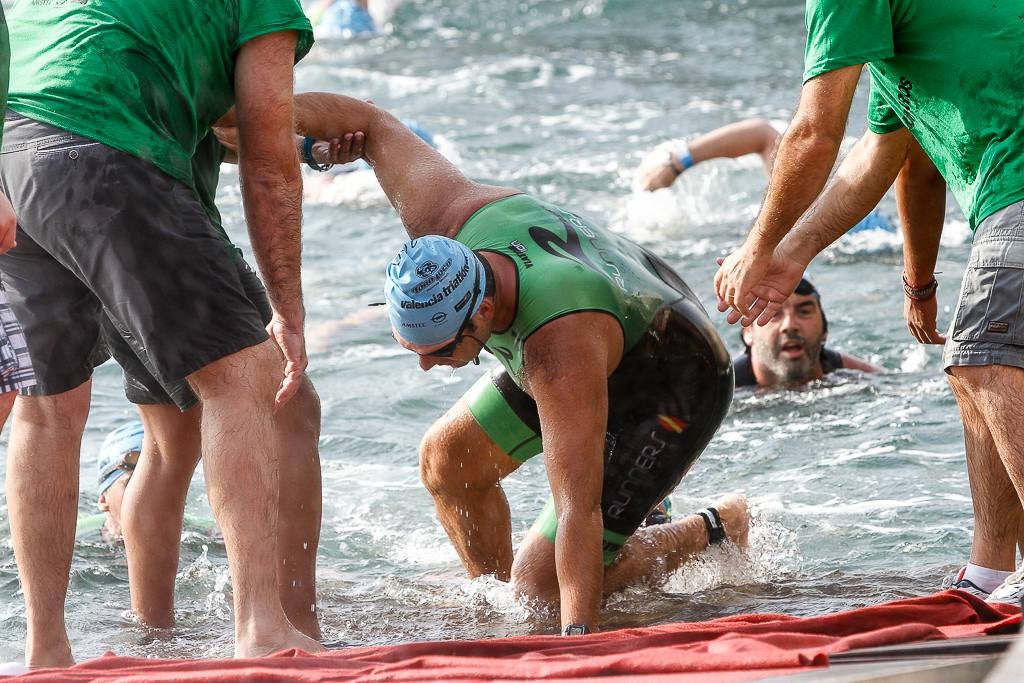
(733, 648)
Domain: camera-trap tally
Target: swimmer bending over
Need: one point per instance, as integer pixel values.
(611, 367)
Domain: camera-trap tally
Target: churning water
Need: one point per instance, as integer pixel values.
(858, 482)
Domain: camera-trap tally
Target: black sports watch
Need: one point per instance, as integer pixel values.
(576, 630)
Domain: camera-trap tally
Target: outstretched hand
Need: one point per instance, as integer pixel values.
(292, 341)
(922, 319)
(755, 286)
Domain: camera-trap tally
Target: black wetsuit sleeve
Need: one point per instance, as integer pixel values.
(830, 361)
(743, 369)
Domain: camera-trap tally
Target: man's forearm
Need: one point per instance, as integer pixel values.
(272, 195)
(580, 566)
(802, 165)
(806, 154)
(921, 201)
(859, 184)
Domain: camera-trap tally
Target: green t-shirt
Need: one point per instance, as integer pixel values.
(948, 70)
(564, 264)
(147, 77)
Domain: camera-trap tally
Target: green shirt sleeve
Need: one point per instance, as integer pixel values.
(882, 118)
(259, 17)
(842, 33)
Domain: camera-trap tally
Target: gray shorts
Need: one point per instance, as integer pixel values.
(105, 238)
(140, 386)
(15, 364)
(988, 326)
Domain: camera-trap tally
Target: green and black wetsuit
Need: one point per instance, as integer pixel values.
(669, 393)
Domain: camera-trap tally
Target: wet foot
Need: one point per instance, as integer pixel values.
(56, 657)
(269, 644)
(735, 514)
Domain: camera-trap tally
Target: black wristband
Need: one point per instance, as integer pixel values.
(713, 523)
(920, 293)
(576, 630)
(307, 155)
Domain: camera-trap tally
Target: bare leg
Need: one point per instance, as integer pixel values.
(154, 506)
(462, 469)
(42, 499)
(650, 555)
(992, 395)
(297, 426)
(997, 509)
(241, 464)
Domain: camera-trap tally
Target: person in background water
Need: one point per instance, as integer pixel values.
(348, 18)
(118, 457)
(112, 233)
(943, 108)
(790, 350)
(669, 160)
(15, 364)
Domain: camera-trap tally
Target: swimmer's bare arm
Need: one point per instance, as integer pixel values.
(921, 201)
(567, 359)
(272, 188)
(854, 363)
(432, 197)
(751, 136)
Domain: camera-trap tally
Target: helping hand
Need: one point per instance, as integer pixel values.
(292, 342)
(756, 286)
(921, 319)
(343, 150)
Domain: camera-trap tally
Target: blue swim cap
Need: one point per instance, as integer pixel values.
(876, 220)
(118, 455)
(430, 285)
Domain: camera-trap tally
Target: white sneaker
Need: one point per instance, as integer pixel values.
(1010, 590)
(957, 581)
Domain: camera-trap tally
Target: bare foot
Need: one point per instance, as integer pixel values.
(53, 657)
(269, 644)
(735, 514)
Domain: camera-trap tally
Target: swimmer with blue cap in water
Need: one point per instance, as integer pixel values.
(118, 456)
(608, 364)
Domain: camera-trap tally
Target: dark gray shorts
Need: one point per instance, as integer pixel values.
(988, 326)
(104, 237)
(140, 386)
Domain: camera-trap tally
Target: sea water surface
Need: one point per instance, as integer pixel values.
(858, 483)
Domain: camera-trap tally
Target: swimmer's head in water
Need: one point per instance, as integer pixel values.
(788, 349)
(118, 455)
(434, 287)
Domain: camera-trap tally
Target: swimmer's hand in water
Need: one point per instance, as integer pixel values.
(657, 170)
(756, 285)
